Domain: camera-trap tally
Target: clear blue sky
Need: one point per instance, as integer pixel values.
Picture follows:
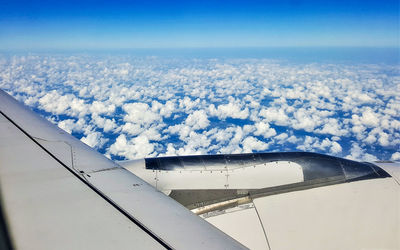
(173, 24)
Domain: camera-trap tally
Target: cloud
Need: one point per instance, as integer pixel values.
(55, 103)
(335, 148)
(94, 139)
(359, 154)
(137, 147)
(132, 128)
(202, 105)
(313, 143)
(250, 144)
(331, 126)
(70, 125)
(263, 129)
(293, 139)
(221, 135)
(198, 120)
(187, 104)
(232, 110)
(153, 134)
(276, 116)
(305, 120)
(281, 137)
(165, 110)
(97, 107)
(106, 124)
(395, 156)
(140, 113)
(369, 118)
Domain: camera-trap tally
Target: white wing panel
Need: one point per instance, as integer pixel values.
(243, 225)
(357, 215)
(393, 168)
(270, 174)
(251, 177)
(47, 207)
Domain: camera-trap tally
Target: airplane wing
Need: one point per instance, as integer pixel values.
(58, 193)
(285, 200)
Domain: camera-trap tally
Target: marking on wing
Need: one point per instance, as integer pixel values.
(262, 225)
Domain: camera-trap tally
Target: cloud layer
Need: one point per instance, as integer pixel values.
(130, 107)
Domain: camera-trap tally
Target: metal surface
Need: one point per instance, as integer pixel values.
(246, 227)
(241, 175)
(5, 238)
(391, 167)
(47, 207)
(357, 215)
(313, 165)
(135, 200)
(331, 203)
(260, 175)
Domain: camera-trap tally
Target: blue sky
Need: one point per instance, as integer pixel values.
(31, 25)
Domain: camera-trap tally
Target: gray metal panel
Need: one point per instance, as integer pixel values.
(158, 214)
(356, 215)
(47, 207)
(391, 167)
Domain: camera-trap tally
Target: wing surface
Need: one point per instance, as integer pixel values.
(59, 193)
